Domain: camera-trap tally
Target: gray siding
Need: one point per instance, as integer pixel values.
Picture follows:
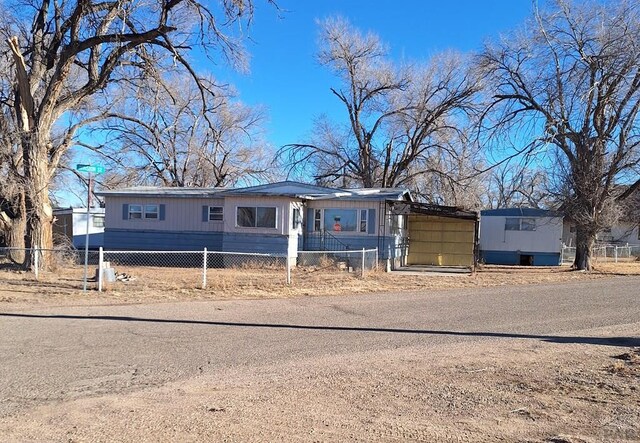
(180, 214)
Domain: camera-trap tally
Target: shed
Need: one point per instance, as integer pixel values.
(440, 235)
(70, 225)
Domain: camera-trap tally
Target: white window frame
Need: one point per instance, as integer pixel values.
(275, 221)
(151, 214)
(364, 221)
(296, 218)
(138, 211)
(220, 214)
(98, 217)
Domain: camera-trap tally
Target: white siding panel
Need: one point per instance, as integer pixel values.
(546, 238)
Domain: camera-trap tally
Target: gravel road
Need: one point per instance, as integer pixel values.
(53, 355)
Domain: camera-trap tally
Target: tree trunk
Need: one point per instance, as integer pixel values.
(585, 239)
(15, 231)
(38, 204)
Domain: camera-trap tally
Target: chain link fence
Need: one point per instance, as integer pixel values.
(605, 253)
(175, 270)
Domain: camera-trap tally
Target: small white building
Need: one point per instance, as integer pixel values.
(70, 224)
(521, 236)
(622, 233)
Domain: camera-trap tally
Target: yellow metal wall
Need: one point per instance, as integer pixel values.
(440, 241)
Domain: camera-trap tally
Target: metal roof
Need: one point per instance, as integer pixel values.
(520, 212)
(289, 189)
(437, 210)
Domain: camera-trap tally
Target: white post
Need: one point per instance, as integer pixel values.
(100, 266)
(377, 258)
(362, 271)
(204, 269)
(615, 254)
(36, 260)
(288, 269)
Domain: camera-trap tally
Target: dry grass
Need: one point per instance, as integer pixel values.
(157, 283)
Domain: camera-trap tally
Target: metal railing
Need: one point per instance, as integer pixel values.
(324, 241)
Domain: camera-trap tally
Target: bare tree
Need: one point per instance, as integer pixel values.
(569, 84)
(64, 52)
(163, 136)
(399, 119)
(513, 184)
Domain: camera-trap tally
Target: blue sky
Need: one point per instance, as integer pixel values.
(286, 80)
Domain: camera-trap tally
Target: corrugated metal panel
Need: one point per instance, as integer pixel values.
(440, 241)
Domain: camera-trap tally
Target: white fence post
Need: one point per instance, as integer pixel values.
(377, 258)
(362, 271)
(288, 269)
(100, 268)
(36, 260)
(204, 269)
(615, 254)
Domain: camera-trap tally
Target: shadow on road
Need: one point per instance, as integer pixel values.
(604, 341)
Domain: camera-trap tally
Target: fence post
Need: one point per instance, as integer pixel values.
(288, 269)
(362, 271)
(204, 269)
(377, 258)
(615, 254)
(100, 268)
(36, 260)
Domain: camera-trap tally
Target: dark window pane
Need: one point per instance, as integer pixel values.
(528, 224)
(246, 217)
(266, 217)
(512, 224)
(215, 213)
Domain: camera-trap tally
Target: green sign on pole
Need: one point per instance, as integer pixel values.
(93, 169)
(89, 169)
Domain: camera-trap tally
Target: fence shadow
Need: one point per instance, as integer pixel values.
(600, 341)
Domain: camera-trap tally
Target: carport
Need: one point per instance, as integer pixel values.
(443, 236)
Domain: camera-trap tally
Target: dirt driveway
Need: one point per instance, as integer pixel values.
(554, 362)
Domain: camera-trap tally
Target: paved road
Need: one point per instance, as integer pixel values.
(52, 354)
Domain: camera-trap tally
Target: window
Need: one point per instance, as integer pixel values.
(98, 221)
(520, 224)
(216, 213)
(297, 219)
(255, 217)
(135, 212)
(340, 220)
(151, 212)
(317, 220)
(527, 224)
(363, 220)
